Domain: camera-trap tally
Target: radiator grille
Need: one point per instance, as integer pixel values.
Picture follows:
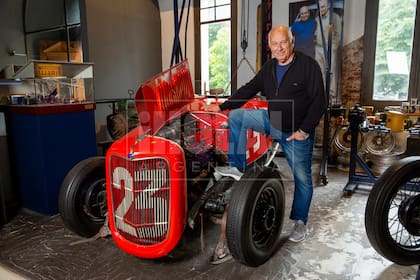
(140, 198)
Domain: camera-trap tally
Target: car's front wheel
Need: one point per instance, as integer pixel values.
(255, 216)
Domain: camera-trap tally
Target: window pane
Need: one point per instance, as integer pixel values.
(206, 3)
(223, 12)
(75, 37)
(73, 11)
(207, 15)
(394, 44)
(215, 57)
(222, 2)
(46, 45)
(44, 14)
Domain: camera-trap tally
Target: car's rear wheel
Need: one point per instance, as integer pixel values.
(82, 199)
(255, 216)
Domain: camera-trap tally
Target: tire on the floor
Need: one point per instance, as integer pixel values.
(82, 198)
(392, 213)
(255, 216)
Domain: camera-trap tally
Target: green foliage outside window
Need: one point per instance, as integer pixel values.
(219, 56)
(395, 33)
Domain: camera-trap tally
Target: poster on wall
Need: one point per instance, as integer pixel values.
(309, 21)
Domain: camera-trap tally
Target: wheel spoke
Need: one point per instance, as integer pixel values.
(397, 230)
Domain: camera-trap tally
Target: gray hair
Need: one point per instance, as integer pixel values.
(280, 27)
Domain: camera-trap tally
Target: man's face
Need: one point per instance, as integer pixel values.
(323, 5)
(304, 13)
(280, 45)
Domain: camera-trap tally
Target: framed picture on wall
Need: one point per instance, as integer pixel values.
(309, 21)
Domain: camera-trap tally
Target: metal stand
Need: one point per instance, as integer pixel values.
(325, 149)
(357, 115)
(327, 46)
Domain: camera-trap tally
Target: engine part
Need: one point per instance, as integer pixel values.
(379, 143)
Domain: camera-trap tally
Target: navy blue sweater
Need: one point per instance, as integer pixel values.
(297, 102)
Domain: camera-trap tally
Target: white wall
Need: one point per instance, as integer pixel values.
(354, 22)
(168, 30)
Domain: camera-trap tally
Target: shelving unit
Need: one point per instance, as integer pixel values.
(48, 137)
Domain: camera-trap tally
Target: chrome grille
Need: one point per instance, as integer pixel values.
(140, 198)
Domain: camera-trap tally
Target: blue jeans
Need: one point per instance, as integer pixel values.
(297, 153)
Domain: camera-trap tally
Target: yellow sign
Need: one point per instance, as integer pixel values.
(48, 70)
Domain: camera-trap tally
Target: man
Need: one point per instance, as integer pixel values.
(321, 34)
(292, 84)
(303, 29)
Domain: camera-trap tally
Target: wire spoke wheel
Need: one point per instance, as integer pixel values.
(392, 215)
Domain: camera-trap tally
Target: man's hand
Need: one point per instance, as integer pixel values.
(297, 135)
(211, 108)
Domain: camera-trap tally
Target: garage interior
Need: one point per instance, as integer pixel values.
(120, 46)
(40, 247)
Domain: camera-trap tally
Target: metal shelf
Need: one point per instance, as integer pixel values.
(54, 69)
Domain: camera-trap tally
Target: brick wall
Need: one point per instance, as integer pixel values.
(351, 72)
(350, 82)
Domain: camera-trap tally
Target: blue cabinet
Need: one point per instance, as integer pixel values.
(46, 142)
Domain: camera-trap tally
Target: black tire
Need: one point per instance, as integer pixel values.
(392, 214)
(82, 199)
(255, 216)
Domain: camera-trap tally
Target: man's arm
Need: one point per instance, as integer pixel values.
(242, 95)
(316, 97)
(211, 108)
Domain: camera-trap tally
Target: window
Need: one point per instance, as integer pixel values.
(391, 72)
(215, 46)
(52, 30)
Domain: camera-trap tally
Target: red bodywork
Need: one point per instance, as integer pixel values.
(146, 170)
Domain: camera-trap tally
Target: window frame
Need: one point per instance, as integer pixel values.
(197, 44)
(66, 27)
(368, 69)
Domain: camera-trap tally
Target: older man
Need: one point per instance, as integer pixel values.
(292, 84)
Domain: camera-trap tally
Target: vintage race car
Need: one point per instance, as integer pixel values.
(155, 180)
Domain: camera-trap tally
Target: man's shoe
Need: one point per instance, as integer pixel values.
(220, 255)
(299, 232)
(229, 171)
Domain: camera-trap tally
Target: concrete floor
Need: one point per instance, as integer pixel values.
(39, 247)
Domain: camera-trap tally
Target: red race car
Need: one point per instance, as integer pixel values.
(157, 178)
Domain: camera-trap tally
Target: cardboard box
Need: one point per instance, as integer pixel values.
(58, 51)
